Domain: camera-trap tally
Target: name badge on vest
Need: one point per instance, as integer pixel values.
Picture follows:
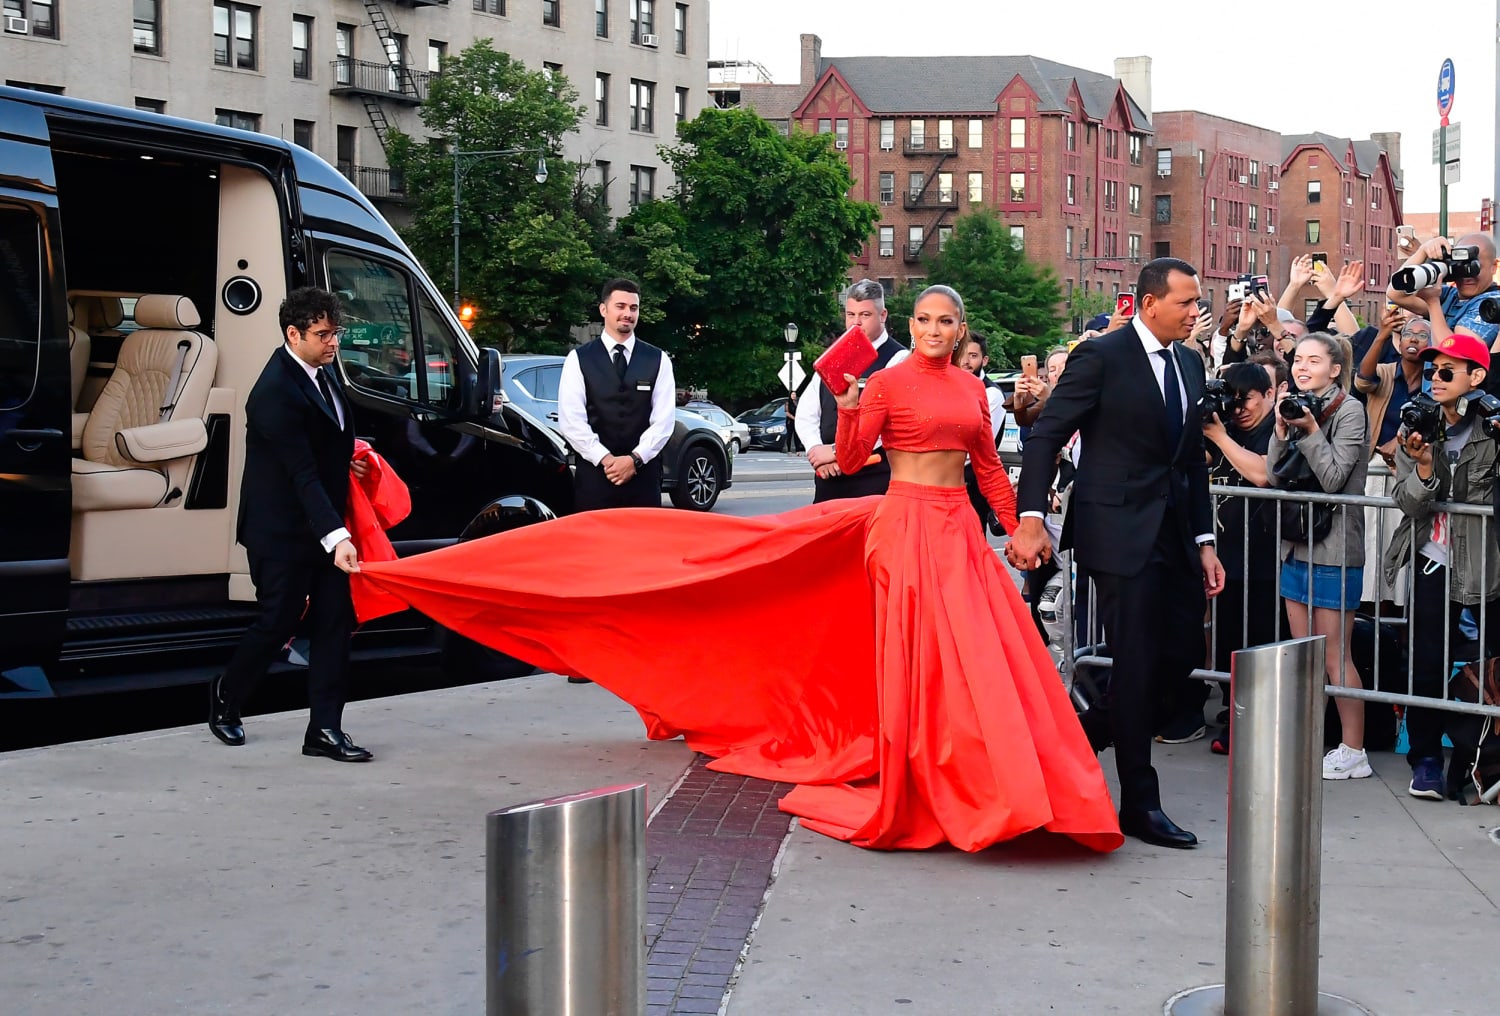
(643, 386)
(862, 381)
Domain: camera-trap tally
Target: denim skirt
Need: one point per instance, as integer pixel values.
(1328, 582)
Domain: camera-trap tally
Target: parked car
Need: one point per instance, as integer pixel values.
(697, 465)
(734, 433)
(767, 424)
(1010, 437)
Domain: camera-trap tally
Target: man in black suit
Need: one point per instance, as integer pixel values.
(299, 443)
(1140, 520)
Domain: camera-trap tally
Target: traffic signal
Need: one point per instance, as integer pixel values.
(467, 315)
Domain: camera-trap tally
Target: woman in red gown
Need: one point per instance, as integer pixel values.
(912, 699)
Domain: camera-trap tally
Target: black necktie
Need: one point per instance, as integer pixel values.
(620, 364)
(327, 390)
(1173, 398)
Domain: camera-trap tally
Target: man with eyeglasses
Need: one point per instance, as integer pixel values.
(1455, 567)
(299, 446)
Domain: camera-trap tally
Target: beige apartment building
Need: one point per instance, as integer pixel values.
(336, 75)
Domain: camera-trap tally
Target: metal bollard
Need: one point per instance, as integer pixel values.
(1275, 841)
(566, 905)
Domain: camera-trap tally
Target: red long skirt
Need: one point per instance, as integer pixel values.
(873, 651)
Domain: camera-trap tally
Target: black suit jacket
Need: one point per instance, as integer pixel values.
(296, 481)
(1128, 475)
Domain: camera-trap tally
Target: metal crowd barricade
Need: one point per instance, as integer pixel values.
(1086, 650)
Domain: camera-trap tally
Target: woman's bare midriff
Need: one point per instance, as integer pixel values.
(933, 469)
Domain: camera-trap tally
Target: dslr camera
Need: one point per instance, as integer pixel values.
(1220, 400)
(1489, 310)
(1296, 405)
(1486, 409)
(1461, 263)
(1423, 415)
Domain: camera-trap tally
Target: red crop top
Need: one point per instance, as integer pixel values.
(926, 405)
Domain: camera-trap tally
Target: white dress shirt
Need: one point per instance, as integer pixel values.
(996, 399)
(810, 403)
(340, 534)
(573, 413)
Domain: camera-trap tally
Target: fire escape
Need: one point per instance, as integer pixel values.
(376, 83)
(931, 197)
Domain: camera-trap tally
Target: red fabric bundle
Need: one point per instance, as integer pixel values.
(376, 503)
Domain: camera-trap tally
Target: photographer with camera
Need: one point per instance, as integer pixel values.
(1320, 444)
(1446, 454)
(1449, 284)
(1237, 423)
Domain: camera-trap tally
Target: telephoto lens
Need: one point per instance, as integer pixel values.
(1489, 310)
(1416, 277)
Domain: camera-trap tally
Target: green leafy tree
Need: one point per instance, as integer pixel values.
(1090, 305)
(759, 231)
(529, 256)
(1013, 302)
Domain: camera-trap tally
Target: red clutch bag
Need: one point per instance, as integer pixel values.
(851, 354)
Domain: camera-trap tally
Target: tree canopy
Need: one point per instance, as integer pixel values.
(529, 255)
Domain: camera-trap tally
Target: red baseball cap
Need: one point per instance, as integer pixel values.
(1461, 347)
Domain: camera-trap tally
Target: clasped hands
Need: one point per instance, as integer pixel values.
(1030, 545)
(618, 468)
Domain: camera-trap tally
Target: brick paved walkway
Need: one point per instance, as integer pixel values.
(711, 848)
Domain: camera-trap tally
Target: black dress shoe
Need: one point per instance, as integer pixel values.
(334, 744)
(579, 680)
(1155, 828)
(223, 719)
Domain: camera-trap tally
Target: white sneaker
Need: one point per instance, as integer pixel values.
(1346, 763)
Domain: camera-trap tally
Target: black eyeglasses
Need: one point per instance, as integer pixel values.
(1444, 374)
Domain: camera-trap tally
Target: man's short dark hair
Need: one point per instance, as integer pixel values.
(1244, 378)
(304, 307)
(1153, 280)
(978, 340)
(1269, 358)
(614, 286)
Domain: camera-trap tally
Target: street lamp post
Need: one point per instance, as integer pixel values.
(462, 163)
(790, 334)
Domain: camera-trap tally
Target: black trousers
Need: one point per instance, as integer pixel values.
(1433, 614)
(873, 479)
(593, 490)
(1155, 624)
(282, 589)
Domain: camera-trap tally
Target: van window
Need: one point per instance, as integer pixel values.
(20, 305)
(440, 357)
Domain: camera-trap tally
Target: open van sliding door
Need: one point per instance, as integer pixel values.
(35, 395)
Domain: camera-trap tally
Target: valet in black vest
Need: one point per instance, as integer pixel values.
(874, 478)
(616, 408)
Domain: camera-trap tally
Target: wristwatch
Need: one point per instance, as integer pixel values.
(636, 458)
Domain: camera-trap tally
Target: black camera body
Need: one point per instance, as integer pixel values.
(1489, 310)
(1218, 400)
(1296, 405)
(1486, 409)
(1461, 263)
(1423, 415)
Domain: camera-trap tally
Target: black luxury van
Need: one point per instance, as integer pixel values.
(142, 261)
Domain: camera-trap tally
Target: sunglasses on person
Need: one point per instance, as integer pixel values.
(1443, 374)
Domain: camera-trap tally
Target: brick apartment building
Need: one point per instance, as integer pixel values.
(1063, 154)
(1215, 200)
(1342, 199)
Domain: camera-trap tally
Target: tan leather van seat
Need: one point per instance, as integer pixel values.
(143, 430)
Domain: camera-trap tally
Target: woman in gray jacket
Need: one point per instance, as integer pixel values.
(1325, 449)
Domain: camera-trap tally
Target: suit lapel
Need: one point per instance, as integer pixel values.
(308, 389)
(1142, 378)
(1192, 392)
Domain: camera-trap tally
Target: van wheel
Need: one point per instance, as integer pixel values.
(700, 477)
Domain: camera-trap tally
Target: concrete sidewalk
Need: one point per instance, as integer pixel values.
(164, 873)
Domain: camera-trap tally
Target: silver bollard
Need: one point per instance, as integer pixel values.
(566, 905)
(1275, 840)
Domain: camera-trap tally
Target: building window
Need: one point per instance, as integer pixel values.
(1314, 192)
(1018, 237)
(945, 134)
(1068, 242)
(1254, 223)
(976, 187)
(642, 20)
(1070, 129)
(1213, 256)
(976, 133)
(237, 119)
(642, 101)
(1135, 149)
(1072, 189)
(841, 133)
(344, 147)
(919, 133)
(825, 125)
(490, 7)
(1375, 198)
(642, 185)
(36, 86)
(343, 48)
(914, 239)
(43, 21)
(1213, 211)
(1018, 186)
(436, 51)
(1111, 196)
(1254, 173)
(887, 135)
(552, 13)
(1314, 231)
(1202, 163)
(302, 133)
(551, 70)
(887, 188)
(1111, 144)
(234, 35)
(1135, 199)
(945, 233)
(1164, 162)
(945, 188)
(150, 105)
(601, 18)
(1250, 264)
(680, 104)
(601, 99)
(1163, 208)
(147, 30)
(301, 46)
(915, 184)
(679, 28)
(602, 167)
(1134, 249)
(1346, 234)
(887, 241)
(1017, 132)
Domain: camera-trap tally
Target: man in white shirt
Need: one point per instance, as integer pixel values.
(616, 403)
(817, 413)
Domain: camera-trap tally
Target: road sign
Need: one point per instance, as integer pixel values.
(1451, 153)
(1445, 90)
(1450, 172)
(791, 374)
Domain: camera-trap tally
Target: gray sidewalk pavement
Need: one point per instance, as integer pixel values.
(164, 873)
